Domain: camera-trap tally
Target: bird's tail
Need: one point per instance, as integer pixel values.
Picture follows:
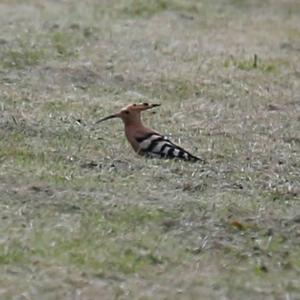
(192, 158)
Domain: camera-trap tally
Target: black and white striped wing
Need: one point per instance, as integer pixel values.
(156, 145)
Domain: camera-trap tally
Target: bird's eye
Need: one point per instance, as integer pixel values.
(146, 104)
(134, 104)
(126, 112)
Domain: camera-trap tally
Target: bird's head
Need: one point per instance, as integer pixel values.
(131, 113)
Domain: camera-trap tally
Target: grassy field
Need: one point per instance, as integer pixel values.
(83, 217)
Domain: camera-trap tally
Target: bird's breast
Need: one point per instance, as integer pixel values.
(131, 135)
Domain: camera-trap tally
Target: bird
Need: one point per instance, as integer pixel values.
(146, 141)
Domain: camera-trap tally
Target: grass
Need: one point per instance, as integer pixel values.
(249, 64)
(21, 58)
(83, 217)
(139, 8)
(64, 43)
(102, 243)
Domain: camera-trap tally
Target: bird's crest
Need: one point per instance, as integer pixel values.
(140, 106)
(124, 113)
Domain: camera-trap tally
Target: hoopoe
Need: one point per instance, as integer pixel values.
(146, 141)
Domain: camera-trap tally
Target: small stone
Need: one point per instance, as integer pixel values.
(119, 77)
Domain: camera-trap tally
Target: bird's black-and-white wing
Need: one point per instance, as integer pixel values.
(156, 145)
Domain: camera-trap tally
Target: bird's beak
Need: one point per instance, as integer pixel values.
(107, 118)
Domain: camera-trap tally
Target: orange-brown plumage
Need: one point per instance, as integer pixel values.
(146, 141)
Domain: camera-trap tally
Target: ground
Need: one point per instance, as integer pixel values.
(83, 217)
